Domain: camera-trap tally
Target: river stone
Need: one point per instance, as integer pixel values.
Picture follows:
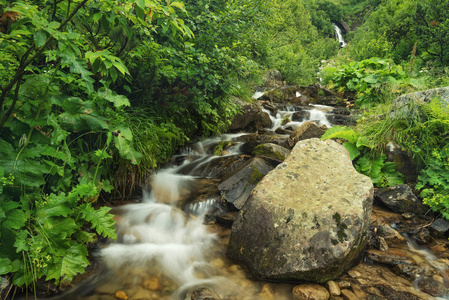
(310, 292)
(271, 150)
(237, 188)
(307, 130)
(405, 164)
(439, 227)
(401, 199)
(306, 220)
(250, 118)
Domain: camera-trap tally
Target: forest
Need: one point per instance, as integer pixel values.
(96, 94)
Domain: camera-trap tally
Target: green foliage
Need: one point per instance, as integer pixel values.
(64, 126)
(434, 181)
(367, 162)
(368, 78)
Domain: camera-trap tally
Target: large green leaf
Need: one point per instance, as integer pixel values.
(354, 152)
(342, 132)
(100, 219)
(68, 263)
(81, 115)
(111, 96)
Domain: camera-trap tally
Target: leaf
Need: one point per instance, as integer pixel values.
(100, 219)
(343, 132)
(126, 150)
(111, 96)
(40, 37)
(15, 219)
(5, 266)
(69, 263)
(177, 4)
(352, 149)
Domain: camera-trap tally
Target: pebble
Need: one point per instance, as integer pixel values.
(343, 284)
(354, 274)
(121, 295)
(152, 284)
(348, 295)
(310, 292)
(333, 288)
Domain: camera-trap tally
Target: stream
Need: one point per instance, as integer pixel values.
(169, 246)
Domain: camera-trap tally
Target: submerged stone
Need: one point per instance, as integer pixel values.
(306, 220)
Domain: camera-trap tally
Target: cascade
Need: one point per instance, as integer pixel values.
(166, 248)
(339, 36)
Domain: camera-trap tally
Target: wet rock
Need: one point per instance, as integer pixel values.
(348, 295)
(382, 244)
(341, 111)
(401, 199)
(273, 151)
(301, 100)
(237, 188)
(300, 116)
(307, 219)
(250, 118)
(406, 270)
(121, 295)
(307, 130)
(281, 94)
(270, 107)
(432, 287)
(439, 228)
(391, 236)
(341, 120)
(322, 95)
(422, 236)
(333, 288)
(267, 292)
(310, 292)
(391, 294)
(202, 294)
(390, 258)
(152, 284)
(405, 164)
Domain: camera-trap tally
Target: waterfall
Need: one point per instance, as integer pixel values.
(339, 36)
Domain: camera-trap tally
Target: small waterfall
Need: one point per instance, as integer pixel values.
(339, 36)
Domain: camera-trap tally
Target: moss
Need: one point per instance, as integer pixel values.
(341, 228)
(265, 151)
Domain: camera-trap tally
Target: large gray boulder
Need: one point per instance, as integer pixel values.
(407, 105)
(307, 219)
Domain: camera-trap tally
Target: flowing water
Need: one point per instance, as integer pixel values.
(166, 249)
(339, 36)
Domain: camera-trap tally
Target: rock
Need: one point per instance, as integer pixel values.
(322, 95)
(270, 150)
(152, 284)
(406, 270)
(272, 79)
(388, 258)
(348, 295)
(392, 294)
(341, 120)
(439, 227)
(391, 236)
(121, 295)
(333, 288)
(341, 111)
(401, 199)
(300, 116)
(382, 244)
(307, 220)
(435, 288)
(307, 130)
(203, 294)
(421, 236)
(310, 292)
(5, 284)
(237, 188)
(405, 164)
(281, 94)
(301, 100)
(251, 118)
(408, 105)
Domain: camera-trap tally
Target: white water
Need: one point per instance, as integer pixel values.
(339, 36)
